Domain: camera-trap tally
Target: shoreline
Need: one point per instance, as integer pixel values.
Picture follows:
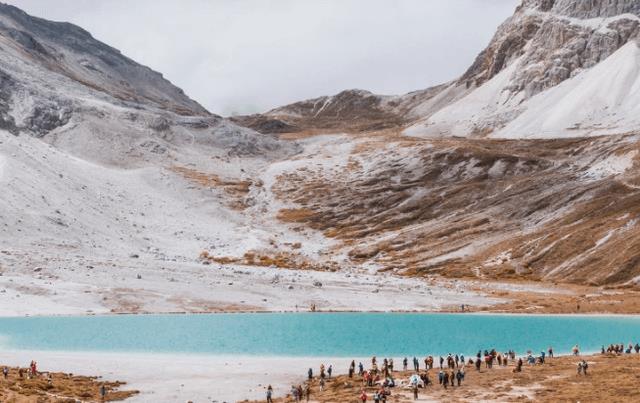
(268, 312)
(199, 377)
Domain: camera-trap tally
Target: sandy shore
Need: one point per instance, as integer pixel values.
(184, 378)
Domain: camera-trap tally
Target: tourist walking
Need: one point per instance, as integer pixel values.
(363, 396)
(321, 384)
(269, 394)
(415, 392)
(330, 370)
(307, 392)
(576, 350)
(405, 363)
(550, 351)
(416, 364)
(310, 374)
(5, 372)
(518, 367)
(459, 376)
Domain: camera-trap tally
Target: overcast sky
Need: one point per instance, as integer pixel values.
(245, 56)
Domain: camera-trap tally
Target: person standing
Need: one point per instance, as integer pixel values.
(405, 362)
(415, 392)
(269, 394)
(363, 396)
(330, 370)
(5, 372)
(307, 392)
(550, 351)
(310, 374)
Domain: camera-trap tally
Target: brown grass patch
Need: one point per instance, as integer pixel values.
(58, 387)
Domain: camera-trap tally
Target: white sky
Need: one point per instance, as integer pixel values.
(248, 56)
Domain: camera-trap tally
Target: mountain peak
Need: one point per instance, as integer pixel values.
(585, 9)
(71, 51)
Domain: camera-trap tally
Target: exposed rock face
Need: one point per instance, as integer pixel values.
(591, 8)
(553, 47)
(544, 44)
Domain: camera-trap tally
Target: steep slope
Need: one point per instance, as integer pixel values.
(69, 50)
(543, 45)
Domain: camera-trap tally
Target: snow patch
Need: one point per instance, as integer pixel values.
(602, 100)
(612, 165)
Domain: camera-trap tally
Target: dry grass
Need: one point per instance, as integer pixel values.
(238, 190)
(281, 260)
(419, 203)
(57, 387)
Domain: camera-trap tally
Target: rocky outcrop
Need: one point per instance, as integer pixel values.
(552, 46)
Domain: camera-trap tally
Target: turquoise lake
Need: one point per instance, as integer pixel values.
(317, 334)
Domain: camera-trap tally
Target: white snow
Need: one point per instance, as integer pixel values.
(612, 165)
(602, 100)
(474, 111)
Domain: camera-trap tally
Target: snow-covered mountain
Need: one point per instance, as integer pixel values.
(554, 69)
(108, 170)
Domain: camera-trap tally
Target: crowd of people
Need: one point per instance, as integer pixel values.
(29, 373)
(451, 371)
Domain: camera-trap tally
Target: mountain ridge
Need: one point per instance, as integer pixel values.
(553, 41)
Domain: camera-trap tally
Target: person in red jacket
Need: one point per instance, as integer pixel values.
(363, 396)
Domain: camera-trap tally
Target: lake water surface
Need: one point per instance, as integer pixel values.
(317, 334)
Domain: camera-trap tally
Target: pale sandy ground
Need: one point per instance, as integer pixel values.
(180, 378)
(57, 288)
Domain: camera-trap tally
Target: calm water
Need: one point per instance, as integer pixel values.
(337, 335)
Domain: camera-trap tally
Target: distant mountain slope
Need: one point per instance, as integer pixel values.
(544, 44)
(71, 51)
